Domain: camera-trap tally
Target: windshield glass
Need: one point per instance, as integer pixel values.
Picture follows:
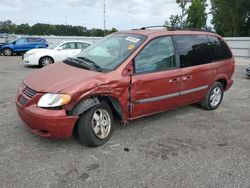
(14, 40)
(112, 50)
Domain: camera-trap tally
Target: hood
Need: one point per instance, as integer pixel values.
(58, 77)
(38, 50)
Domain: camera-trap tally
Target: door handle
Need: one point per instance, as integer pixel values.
(174, 80)
(186, 78)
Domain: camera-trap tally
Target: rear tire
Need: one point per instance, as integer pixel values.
(7, 52)
(95, 126)
(214, 97)
(45, 61)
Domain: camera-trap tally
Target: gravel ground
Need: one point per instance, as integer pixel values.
(186, 147)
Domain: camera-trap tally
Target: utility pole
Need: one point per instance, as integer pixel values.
(104, 17)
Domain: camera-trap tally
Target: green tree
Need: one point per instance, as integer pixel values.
(49, 29)
(178, 20)
(23, 29)
(231, 17)
(197, 16)
(7, 27)
(183, 4)
(174, 21)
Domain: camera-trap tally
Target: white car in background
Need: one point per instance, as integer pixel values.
(55, 53)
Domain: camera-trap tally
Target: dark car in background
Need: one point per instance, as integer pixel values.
(248, 71)
(23, 44)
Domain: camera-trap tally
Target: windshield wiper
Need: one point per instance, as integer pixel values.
(86, 60)
(78, 61)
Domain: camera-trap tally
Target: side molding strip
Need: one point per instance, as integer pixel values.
(193, 90)
(158, 98)
(162, 97)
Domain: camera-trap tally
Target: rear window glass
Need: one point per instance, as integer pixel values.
(219, 49)
(193, 50)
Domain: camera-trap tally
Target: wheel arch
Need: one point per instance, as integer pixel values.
(87, 103)
(223, 82)
(223, 79)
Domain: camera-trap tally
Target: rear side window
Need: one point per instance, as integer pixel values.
(219, 49)
(193, 50)
(158, 55)
(81, 45)
(34, 39)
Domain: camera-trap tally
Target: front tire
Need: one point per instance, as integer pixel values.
(95, 126)
(7, 52)
(214, 97)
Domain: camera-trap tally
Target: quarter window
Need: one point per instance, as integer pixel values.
(158, 55)
(219, 49)
(193, 50)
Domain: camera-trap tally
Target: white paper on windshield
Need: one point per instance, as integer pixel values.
(132, 39)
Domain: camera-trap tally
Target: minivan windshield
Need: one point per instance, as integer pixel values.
(111, 51)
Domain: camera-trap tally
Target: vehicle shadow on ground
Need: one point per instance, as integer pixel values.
(32, 66)
(144, 121)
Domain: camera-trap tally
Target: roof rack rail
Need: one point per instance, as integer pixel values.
(154, 26)
(188, 29)
(148, 27)
(171, 28)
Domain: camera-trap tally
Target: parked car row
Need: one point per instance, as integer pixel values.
(129, 75)
(36, 51)
(23, 44)
(54, 53)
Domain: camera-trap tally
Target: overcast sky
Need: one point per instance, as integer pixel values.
(124, 14)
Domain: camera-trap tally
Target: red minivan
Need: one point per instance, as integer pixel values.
(127, 75)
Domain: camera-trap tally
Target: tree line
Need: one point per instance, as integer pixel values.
(230, 18)
(49, 29)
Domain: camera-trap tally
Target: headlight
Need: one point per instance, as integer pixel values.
(50, 100)
(28, 55)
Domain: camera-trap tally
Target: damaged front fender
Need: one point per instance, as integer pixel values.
(84, 105)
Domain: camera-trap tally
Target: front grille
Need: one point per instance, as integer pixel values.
(26, 95)
(22, 100)
(29, 92)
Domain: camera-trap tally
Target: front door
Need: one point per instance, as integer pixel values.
(21, 44)
(156, 80)
(64, 51)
